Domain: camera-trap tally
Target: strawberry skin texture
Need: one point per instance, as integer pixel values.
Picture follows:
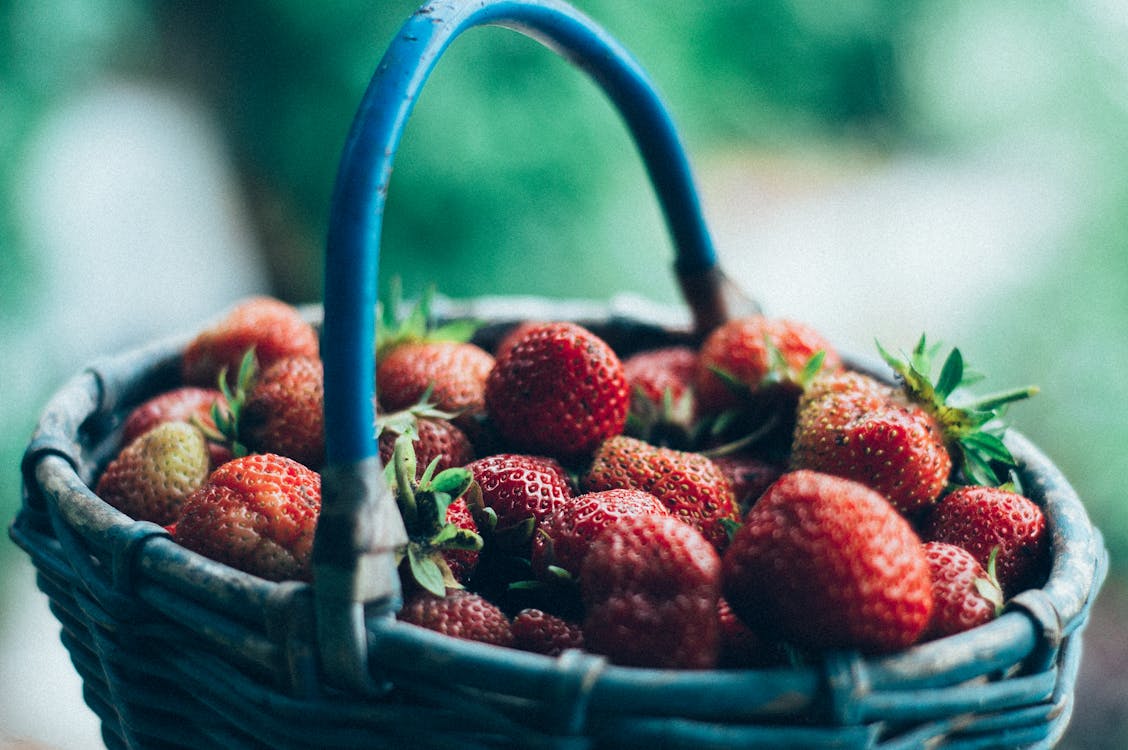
(566, 534)
(273, 328)
(853, 426)
(284, 411)
(690, 485)
(182, 404)
(459, 614)
(738, 347)
(823, 562)
(151, 477)
(981, 518)
(650, 586)
(655, 371)
(456, 370)
(517, 487)
(957, 605)
(539, 632)
(559, 390)
(258, 514)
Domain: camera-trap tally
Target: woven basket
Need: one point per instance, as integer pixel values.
(178, 651)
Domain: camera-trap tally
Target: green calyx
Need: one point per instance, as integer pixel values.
(406, 421)
(394, 328)
(989, 587)
(423, 505)
(227, 417)
(973, 428)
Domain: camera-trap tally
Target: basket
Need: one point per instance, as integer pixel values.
(178, 651)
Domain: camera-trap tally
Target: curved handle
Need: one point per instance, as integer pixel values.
(359, 525)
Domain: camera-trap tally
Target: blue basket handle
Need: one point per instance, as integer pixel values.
(360, 526)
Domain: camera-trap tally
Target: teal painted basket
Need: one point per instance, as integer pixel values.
(178, 651)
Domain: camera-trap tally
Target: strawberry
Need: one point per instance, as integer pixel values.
(688, 484)
(518, 491)
(981, 519)
(854, 426)
(433, 432)
(458, 614)
(256, 513)
(455, 372)
(662, 403)
(964, 593)
(271, 327)
(443, 542)
(655, 371)
(903, 441)
(823, 562)
(415, 357)
(565, 534)
(559, 391)
(746, 355)
(283, 412)
(542, 633)
(151, 477)
(650, 586)
(181, 404)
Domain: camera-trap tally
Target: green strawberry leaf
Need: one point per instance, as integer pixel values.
(951, 375)
(426, 571)
(812, 368)
(454, 481)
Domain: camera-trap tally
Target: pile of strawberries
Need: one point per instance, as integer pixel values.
(748, 502)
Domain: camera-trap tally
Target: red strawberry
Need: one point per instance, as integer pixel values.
(454, 371)
(283, 412)
(565, 534)
(543, 633)
(434, 435)
(650, 586)
(559, 390)
(964, 593)
(182, 404)
(271, 327)
(854, 426)
(655, 371)
(824, 562)
(754, 352)
(688, 484)
(519, 491)
(150, 478)
(662, 404)
(459, 614)
(903, 441)
(257, 513)
(979, 519)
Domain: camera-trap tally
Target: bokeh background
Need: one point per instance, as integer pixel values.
(877, 168)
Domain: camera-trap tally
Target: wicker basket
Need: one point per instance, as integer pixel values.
(178, 651)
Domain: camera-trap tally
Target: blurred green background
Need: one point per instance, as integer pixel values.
(878, 168)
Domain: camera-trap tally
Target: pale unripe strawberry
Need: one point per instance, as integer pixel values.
(153, 474)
